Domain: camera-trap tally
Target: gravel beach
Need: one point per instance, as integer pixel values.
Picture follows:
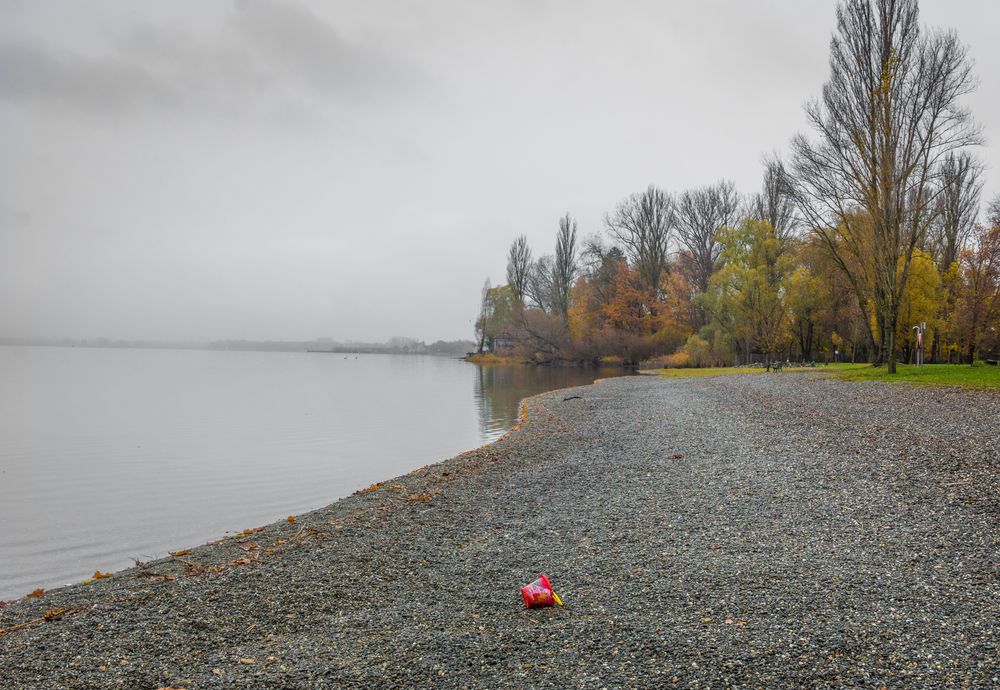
(779, 530)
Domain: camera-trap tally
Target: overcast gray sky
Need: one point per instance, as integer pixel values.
(202, 169)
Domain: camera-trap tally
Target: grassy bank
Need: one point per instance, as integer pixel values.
(982, 376)
(704, 371)
(979, 376)
(490, 358)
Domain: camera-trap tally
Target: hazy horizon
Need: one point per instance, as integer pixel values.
(263, 170)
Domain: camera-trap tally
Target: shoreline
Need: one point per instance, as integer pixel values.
(488, 358)
(276, 527)
(675, 538)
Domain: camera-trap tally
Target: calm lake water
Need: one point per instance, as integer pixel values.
(112, 455)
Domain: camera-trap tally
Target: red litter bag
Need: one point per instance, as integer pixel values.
(540, 593)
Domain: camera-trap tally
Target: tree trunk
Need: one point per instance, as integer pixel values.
(890, 341)
(879, 348)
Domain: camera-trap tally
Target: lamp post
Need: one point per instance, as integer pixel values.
(920, 329)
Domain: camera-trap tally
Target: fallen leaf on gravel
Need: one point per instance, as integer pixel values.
(2, 603)
(253, 530)
(707, 620)
(217, 671)
(242, 561)
(714, 547)
(292, 520)
(677, 456)
(420, 498)
(249, 660)
(182, 552)
(98, 575)
(54, 614)
(36, 594)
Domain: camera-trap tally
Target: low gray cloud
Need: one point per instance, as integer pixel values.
(211, 169)
(261, 54)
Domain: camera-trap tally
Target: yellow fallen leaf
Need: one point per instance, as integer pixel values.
(182, 552)
(98, 575)
(292, 520)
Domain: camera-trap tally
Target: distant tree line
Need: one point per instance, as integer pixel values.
(869, 228)
(396, 345)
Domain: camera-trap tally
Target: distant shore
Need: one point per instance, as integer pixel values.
(491, 358)
(760, 530)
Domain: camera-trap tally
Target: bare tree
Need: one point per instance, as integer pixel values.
(564, 269)
(993, 212)
(774, 203)
(889, 115)
(518, 267)
(643, 224)
(961, 186)
(539, 286)
(592, 255)
(958, 201)
(700, 215)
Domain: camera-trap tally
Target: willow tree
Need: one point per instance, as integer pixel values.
(751, 291)
(889, 116)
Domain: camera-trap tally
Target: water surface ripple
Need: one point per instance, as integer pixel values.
(111, 455)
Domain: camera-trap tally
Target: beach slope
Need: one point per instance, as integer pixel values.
(759, 530)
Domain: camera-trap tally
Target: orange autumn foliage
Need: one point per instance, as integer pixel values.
(615, 314)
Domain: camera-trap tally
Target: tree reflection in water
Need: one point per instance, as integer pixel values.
(499, 390)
